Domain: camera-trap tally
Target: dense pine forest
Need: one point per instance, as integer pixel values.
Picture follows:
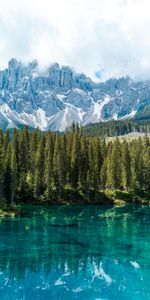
(117, 128)
(54, 167)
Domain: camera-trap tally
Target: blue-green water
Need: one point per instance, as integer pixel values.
(87, 253)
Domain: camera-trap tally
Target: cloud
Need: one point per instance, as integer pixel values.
(106, 37)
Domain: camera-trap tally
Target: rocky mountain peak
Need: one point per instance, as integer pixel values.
(56, 98)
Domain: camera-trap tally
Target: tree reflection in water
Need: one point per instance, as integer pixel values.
(90, 251)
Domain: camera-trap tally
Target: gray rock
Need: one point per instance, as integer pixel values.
(61, 96)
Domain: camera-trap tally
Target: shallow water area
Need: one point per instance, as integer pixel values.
(76, 252)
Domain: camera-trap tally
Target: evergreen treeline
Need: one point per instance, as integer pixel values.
(143, 114)
(37, 166)
(117, 128)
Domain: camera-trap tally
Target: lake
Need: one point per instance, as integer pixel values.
(76, 252)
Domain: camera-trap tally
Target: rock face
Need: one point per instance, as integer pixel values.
(56, 98)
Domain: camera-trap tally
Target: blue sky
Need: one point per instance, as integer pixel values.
(110, 38)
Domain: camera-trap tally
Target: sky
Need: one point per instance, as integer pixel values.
(102, 38)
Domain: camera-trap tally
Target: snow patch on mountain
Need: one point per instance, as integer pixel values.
(95, 113)
(132, 114)
(57, 98)
(63, 119)
(40, 118)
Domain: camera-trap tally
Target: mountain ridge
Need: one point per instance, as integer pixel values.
(59, 96)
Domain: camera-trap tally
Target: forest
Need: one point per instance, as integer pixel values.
(117, 128)
(73, 166)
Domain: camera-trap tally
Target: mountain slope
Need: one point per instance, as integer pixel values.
(55, 98)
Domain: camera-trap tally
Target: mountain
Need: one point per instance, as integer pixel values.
(55, 98)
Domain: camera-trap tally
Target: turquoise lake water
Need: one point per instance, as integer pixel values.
(87, 253)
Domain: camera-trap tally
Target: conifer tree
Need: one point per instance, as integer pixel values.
(13, 176)
(75, 154)
(14, 166)
(48, 166)
(125, 166)
(7, 184)
(39, 168)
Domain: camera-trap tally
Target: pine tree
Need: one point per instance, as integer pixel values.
(75, 154)
(125, 166)
(14, 166)
(103, 175)
(7, 184)
(83, 164)
(39, 169)
(23, 161)
(59, 165)
(114, 168)
(48, 166)
(13, 176)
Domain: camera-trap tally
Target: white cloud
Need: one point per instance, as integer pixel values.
(111, 36)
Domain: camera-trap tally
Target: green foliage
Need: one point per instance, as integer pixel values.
(118, 128)
(75, 166)
(143, 114)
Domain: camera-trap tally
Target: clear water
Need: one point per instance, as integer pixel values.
(87, 253)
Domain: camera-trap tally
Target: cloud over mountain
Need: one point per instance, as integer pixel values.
(111, 36)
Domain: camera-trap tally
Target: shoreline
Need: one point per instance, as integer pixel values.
(108, 198)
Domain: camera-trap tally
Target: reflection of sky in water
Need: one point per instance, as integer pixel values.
(93, 253)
